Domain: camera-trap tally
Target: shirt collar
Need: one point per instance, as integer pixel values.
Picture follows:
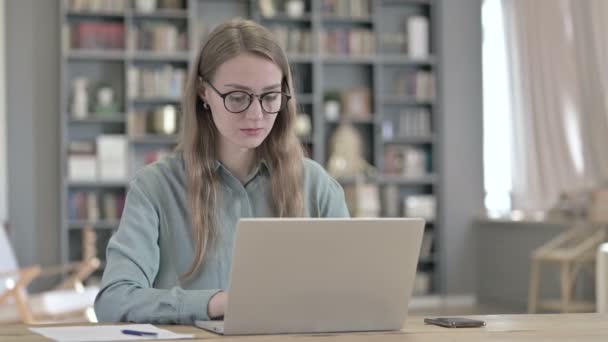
(262, 166)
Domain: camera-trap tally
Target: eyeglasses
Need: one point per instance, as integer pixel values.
(237, 101)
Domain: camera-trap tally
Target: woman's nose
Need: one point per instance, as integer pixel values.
(255, 111)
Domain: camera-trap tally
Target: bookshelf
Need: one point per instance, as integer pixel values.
(122, 46)
(401, 120)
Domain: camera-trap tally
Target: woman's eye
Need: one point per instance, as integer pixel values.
(237, 98)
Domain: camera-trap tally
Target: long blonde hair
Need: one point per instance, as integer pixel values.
(281, 149)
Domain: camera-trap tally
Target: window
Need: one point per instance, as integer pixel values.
(497, 119)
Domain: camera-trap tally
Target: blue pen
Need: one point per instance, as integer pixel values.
(138, 333)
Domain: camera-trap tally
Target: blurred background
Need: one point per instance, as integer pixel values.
(487, 118)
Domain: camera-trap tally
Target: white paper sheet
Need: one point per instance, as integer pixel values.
(106, 333)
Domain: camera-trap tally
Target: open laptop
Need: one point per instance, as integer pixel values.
(320, 275)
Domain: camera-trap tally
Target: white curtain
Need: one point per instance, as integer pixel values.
(558, 91)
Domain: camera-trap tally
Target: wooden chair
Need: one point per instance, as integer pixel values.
(69, 301)
(574, 250)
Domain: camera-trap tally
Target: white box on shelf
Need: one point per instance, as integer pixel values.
(112, 157)
(420, 206)
(414, 162)
(82, 167)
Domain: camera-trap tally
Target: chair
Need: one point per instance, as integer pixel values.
(573, 250)
(69, 301)
(601, 279)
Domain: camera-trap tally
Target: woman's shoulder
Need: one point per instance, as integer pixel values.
(315, 174)
(167, 171)
(313, 168)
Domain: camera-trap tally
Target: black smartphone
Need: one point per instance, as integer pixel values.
(455, 322)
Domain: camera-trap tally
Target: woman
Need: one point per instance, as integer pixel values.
(238, 156)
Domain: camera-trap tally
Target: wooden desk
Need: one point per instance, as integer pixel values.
(566, 327)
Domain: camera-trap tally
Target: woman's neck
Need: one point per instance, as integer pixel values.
(239, 161)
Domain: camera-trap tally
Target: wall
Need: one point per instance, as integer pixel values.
(32, 57)
(461, 99)
(3, 183)
(504, 251)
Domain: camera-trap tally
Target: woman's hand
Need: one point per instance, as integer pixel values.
(217, 305)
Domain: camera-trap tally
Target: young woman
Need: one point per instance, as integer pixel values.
(238, 156)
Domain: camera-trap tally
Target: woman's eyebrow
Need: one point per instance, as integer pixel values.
(242, 87)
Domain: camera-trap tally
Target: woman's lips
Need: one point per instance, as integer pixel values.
(251, 131)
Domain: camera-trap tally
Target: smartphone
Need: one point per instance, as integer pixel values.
(455, 322)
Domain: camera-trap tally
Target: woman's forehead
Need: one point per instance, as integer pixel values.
(249, 70)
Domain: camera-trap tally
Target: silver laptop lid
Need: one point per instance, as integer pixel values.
(322, 275)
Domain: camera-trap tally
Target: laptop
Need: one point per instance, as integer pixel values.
(320, 275)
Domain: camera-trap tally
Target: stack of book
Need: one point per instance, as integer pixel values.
(346, 8)
(86, 206)
(414, 122)
(82, 161)
(105, 159)
(406, 161)
(98, 5)
(355, 42)
(415, 84)
(294, 40)
(152, 82)
(159, 37)
(97, 35)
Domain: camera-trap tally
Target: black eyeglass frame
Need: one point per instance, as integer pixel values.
(251, 95)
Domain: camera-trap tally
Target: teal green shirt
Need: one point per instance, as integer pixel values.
(153, 245)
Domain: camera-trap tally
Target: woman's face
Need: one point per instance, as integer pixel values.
(252, 74)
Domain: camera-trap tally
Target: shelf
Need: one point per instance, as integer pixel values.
(410, 140)
(156, 101)
(402, 180)
(95, 15)
(158, 56)
(285, 19)
(406, 101)
(347, 20)
(101, 224)
(348, 59)
(154, 139)
(96, 55)
(119, 118)
(405, 60)
(300, 58)
(161, 14)
(392, 180)
(97, 184)
(355, 121)
(406, 2)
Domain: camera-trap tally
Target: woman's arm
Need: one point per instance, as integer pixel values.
(133, 255)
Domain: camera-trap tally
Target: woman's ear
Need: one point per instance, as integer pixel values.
(202, 90)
